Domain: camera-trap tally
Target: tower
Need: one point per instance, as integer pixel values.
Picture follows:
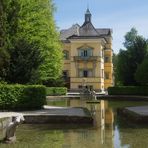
(87, 16)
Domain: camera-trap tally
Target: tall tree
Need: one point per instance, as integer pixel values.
(130, 37)
(129, 59)
(9, 10)
(138, 50)
(24, 63)
(141, 74)
(36, 23)
(2, 24)
(32, 21)
(4, 63)
(123, 73)
(4, 55)
(13, 10)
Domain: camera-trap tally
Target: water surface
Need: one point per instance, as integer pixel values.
(109, 130)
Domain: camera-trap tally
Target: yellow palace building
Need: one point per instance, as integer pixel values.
(87, 56)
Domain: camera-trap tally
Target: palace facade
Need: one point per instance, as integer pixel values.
(87, 56)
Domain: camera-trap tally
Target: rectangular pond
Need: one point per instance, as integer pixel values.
(108, 130)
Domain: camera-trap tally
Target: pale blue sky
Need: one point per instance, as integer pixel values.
(119, 15)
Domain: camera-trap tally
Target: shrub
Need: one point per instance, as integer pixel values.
(128, 90)
(22, 97)
(51, 91)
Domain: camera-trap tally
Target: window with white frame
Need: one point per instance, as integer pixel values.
(85, 52)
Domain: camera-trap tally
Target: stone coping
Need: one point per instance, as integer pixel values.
(50, 110)
(9, 114)
(50, 114)
(139, 110)
(123, 97)
(105, 97)
(137, 114)
(59, 111)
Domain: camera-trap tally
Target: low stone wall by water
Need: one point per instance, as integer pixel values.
(138, 115)
(44, 119)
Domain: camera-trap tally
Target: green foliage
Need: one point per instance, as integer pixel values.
(4, 63)
(128, 90)
(24, 62)
(2, 82)
(141, 74)
(13, 10)
(128, 60)
(130, 37)
(4, 56)
(51, 91)
(22, 97)
(138, 50)
(2, 24)
(33, 22)
(54, 82)
(122, 74)
(36, 23)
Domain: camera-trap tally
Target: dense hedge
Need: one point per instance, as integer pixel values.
(22, 97)
(52, 91)
(128, 90)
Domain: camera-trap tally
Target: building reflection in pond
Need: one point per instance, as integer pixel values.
(103, 123)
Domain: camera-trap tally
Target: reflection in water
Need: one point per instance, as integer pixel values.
(101, 134)
(108, 131)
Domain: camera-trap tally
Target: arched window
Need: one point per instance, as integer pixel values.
(66, 54)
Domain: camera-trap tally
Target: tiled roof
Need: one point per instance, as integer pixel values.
(87, 29)
(104, 31)
(76, 30)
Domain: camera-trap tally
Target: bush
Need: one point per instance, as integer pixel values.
(22, 97)
(128, 90)
(52, 91)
